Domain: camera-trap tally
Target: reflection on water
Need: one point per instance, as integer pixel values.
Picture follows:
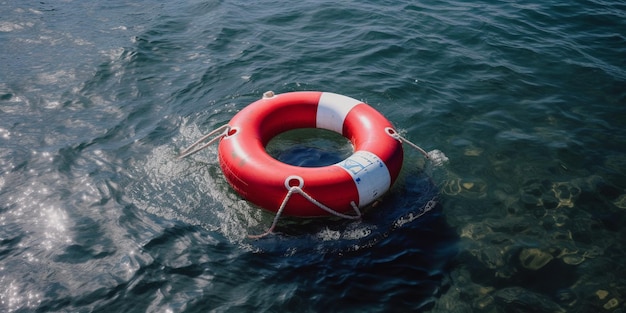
(15, 296)
(55, 226)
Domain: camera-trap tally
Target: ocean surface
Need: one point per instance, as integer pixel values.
(526, 99)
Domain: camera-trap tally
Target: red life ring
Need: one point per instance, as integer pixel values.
(361, 178)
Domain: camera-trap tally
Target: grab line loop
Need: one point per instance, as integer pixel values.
(225, 129)
(298, 189)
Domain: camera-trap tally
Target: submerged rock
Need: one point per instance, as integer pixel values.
(517, 299)
(611, 304)
(602, 294)
(534, 259)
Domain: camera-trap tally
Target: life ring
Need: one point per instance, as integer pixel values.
(358, 180)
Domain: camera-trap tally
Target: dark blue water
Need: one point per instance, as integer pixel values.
(526, 99)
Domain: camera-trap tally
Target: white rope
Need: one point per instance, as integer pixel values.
(436, 157)
(192, 148)
(298, 189)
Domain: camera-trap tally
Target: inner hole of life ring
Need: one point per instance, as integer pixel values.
(309, 147)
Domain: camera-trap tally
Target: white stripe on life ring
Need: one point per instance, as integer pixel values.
(370, 175)
(332, 110)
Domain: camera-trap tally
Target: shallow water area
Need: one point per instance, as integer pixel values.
(526, 101)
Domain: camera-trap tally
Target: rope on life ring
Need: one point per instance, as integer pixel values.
(436, 157)
(298, 189)
(193, 148)
(372, 168)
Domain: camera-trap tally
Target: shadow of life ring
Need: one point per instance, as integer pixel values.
(337, 189)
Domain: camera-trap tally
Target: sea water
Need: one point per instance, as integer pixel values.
(524, 212)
